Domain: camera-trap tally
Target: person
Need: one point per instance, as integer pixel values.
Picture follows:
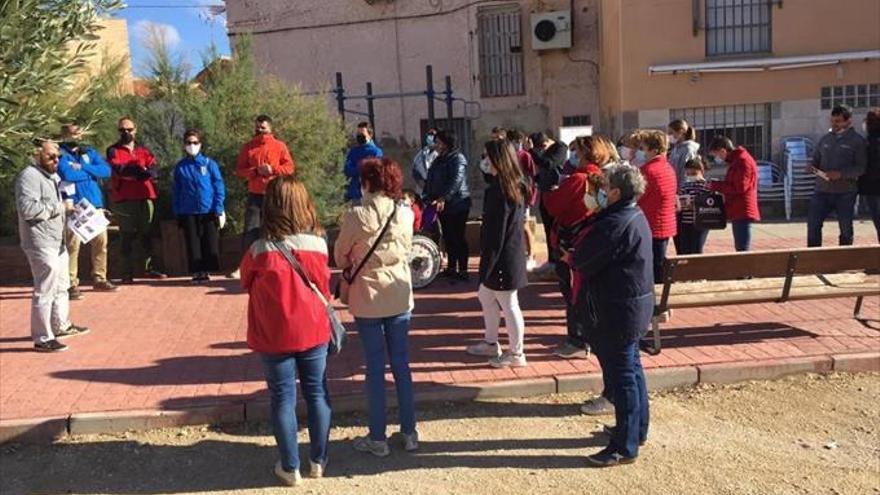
(41, 216)
(502, 257)
(447, 190)
(287, 322)
(691, 240)
(566, 206)
(84, 167)
(365, 148)
(423, 160)
(498, 134)
(260, 160)
(683, 148)
(627, 146)
(549, 157)
(411, 199)
(615, 259)
(530, 173)
(839, 159)
(658, 201)
(611, 149)
(739, 187)
(133, 193)
(869, 183)
(380, 297)
(198, 195)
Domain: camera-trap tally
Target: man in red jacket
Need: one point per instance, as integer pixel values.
(658, 202)
(262, 159)
(133, 193)
(739, 187)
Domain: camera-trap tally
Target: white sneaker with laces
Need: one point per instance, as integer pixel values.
(484, 349)
(508, 360)
(531, 264)
(288, 478)
(377, 448)
(411, 441)
(316, 469)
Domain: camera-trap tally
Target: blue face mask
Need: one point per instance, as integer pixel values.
(573, 160)
(429, 140)
(640, 158)
(602, 199)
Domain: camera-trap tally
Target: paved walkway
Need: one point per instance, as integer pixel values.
(169, 345)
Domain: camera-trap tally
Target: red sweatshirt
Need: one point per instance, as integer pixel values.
(565, 204)
(284, 314)
(658, 202)
(530, 171)
(740, 186)
(130, 179)
(263, 149)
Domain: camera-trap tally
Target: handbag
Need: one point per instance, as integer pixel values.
(337, 330)
(709, 211)
(344, 286)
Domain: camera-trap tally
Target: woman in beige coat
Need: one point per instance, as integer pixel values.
(380, 296)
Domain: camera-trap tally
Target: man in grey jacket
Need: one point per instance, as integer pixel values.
(41, 216)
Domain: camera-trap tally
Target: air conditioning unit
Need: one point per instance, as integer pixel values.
(551, 30)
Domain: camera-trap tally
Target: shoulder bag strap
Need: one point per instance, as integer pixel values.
(298, 269)
(375, 245)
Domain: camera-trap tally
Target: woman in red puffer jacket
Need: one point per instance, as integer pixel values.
(658, 202)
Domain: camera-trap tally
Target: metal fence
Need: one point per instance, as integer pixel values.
(746, 125)
(736, 27)
(500, 48)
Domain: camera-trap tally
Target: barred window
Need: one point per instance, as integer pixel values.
(735, 27)
(500, 49)
(746, 125)
(854, 95)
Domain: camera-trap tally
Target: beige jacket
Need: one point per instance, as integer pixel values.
(383, 288)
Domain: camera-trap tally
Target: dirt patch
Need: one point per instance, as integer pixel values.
(805, 434)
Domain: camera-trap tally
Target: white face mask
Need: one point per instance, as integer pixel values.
(672, 139)
(691, 178)
(193, 149)
(591, 202)
(626, 153)
(485, 165)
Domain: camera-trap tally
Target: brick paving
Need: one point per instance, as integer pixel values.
(168, 345)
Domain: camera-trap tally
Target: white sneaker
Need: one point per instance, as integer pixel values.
(235, 274)
(411, 441)
(377, 448)
(484, 349)
(290, 479)
(531, 264)
(316, 469)
(509, 360)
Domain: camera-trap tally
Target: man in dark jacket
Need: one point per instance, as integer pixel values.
(447, 191)
(616, 260)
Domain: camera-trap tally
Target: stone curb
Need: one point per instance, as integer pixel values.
(47, 430)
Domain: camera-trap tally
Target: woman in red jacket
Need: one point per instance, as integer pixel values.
(287, 321)
(739, 187)
(658, 202)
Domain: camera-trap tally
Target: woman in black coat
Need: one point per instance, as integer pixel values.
(502, 256)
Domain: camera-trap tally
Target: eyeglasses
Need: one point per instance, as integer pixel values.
(53, 157)
(126, 129)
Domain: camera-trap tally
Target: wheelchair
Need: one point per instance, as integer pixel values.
(426, 255)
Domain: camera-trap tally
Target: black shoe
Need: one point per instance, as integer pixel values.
(74, 294)
(204, 277)
(463, 276)
(50, 346)
(104, 286)
(608, 458)
(127, 280)
(71, 331)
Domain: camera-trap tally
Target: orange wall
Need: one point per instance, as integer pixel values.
(655, 32)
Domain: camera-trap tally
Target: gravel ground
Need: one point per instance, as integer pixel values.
(805, 434)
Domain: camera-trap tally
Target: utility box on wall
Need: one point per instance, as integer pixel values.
(551, 30)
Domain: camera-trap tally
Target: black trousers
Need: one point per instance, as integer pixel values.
(202, 242)
(454, 225)
(574, 323)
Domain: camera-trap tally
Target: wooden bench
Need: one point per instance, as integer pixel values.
(708, 280)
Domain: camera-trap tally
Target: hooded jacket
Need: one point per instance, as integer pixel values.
(198, 187)
(740, 186)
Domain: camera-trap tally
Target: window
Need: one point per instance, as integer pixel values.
(854, 95)
(500, 46)
(575, 120)
(737, 27)
(746, 125)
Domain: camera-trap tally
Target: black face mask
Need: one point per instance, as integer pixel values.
(71, 144)
(126, 137)
(361, 139)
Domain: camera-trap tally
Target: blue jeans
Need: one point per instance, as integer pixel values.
(690, 240)
(281, 371)
(821, 205)
(742, 234)
(630, 395)
(377, 335)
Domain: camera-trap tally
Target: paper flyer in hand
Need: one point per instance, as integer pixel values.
(86, 221)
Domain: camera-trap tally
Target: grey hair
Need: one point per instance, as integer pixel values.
(627, 178)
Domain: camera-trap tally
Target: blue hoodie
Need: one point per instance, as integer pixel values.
(198, 187)
(83, 168)
(355, 155)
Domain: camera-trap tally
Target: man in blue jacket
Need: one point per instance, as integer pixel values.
(365, 148)
(83, 167)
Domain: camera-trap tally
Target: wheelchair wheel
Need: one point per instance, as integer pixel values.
(424, 261)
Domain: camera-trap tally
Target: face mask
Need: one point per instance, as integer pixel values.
(602, 199)
(361, 139)
(518, 146)
(691, 178)
(640, 158)
(625, 152)
(672, 139)
(718, 161)
(573, 160)
(429, 140)
(71, 144)
(484, 165)
(193, 149)
(126, 137)
(591, 202)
